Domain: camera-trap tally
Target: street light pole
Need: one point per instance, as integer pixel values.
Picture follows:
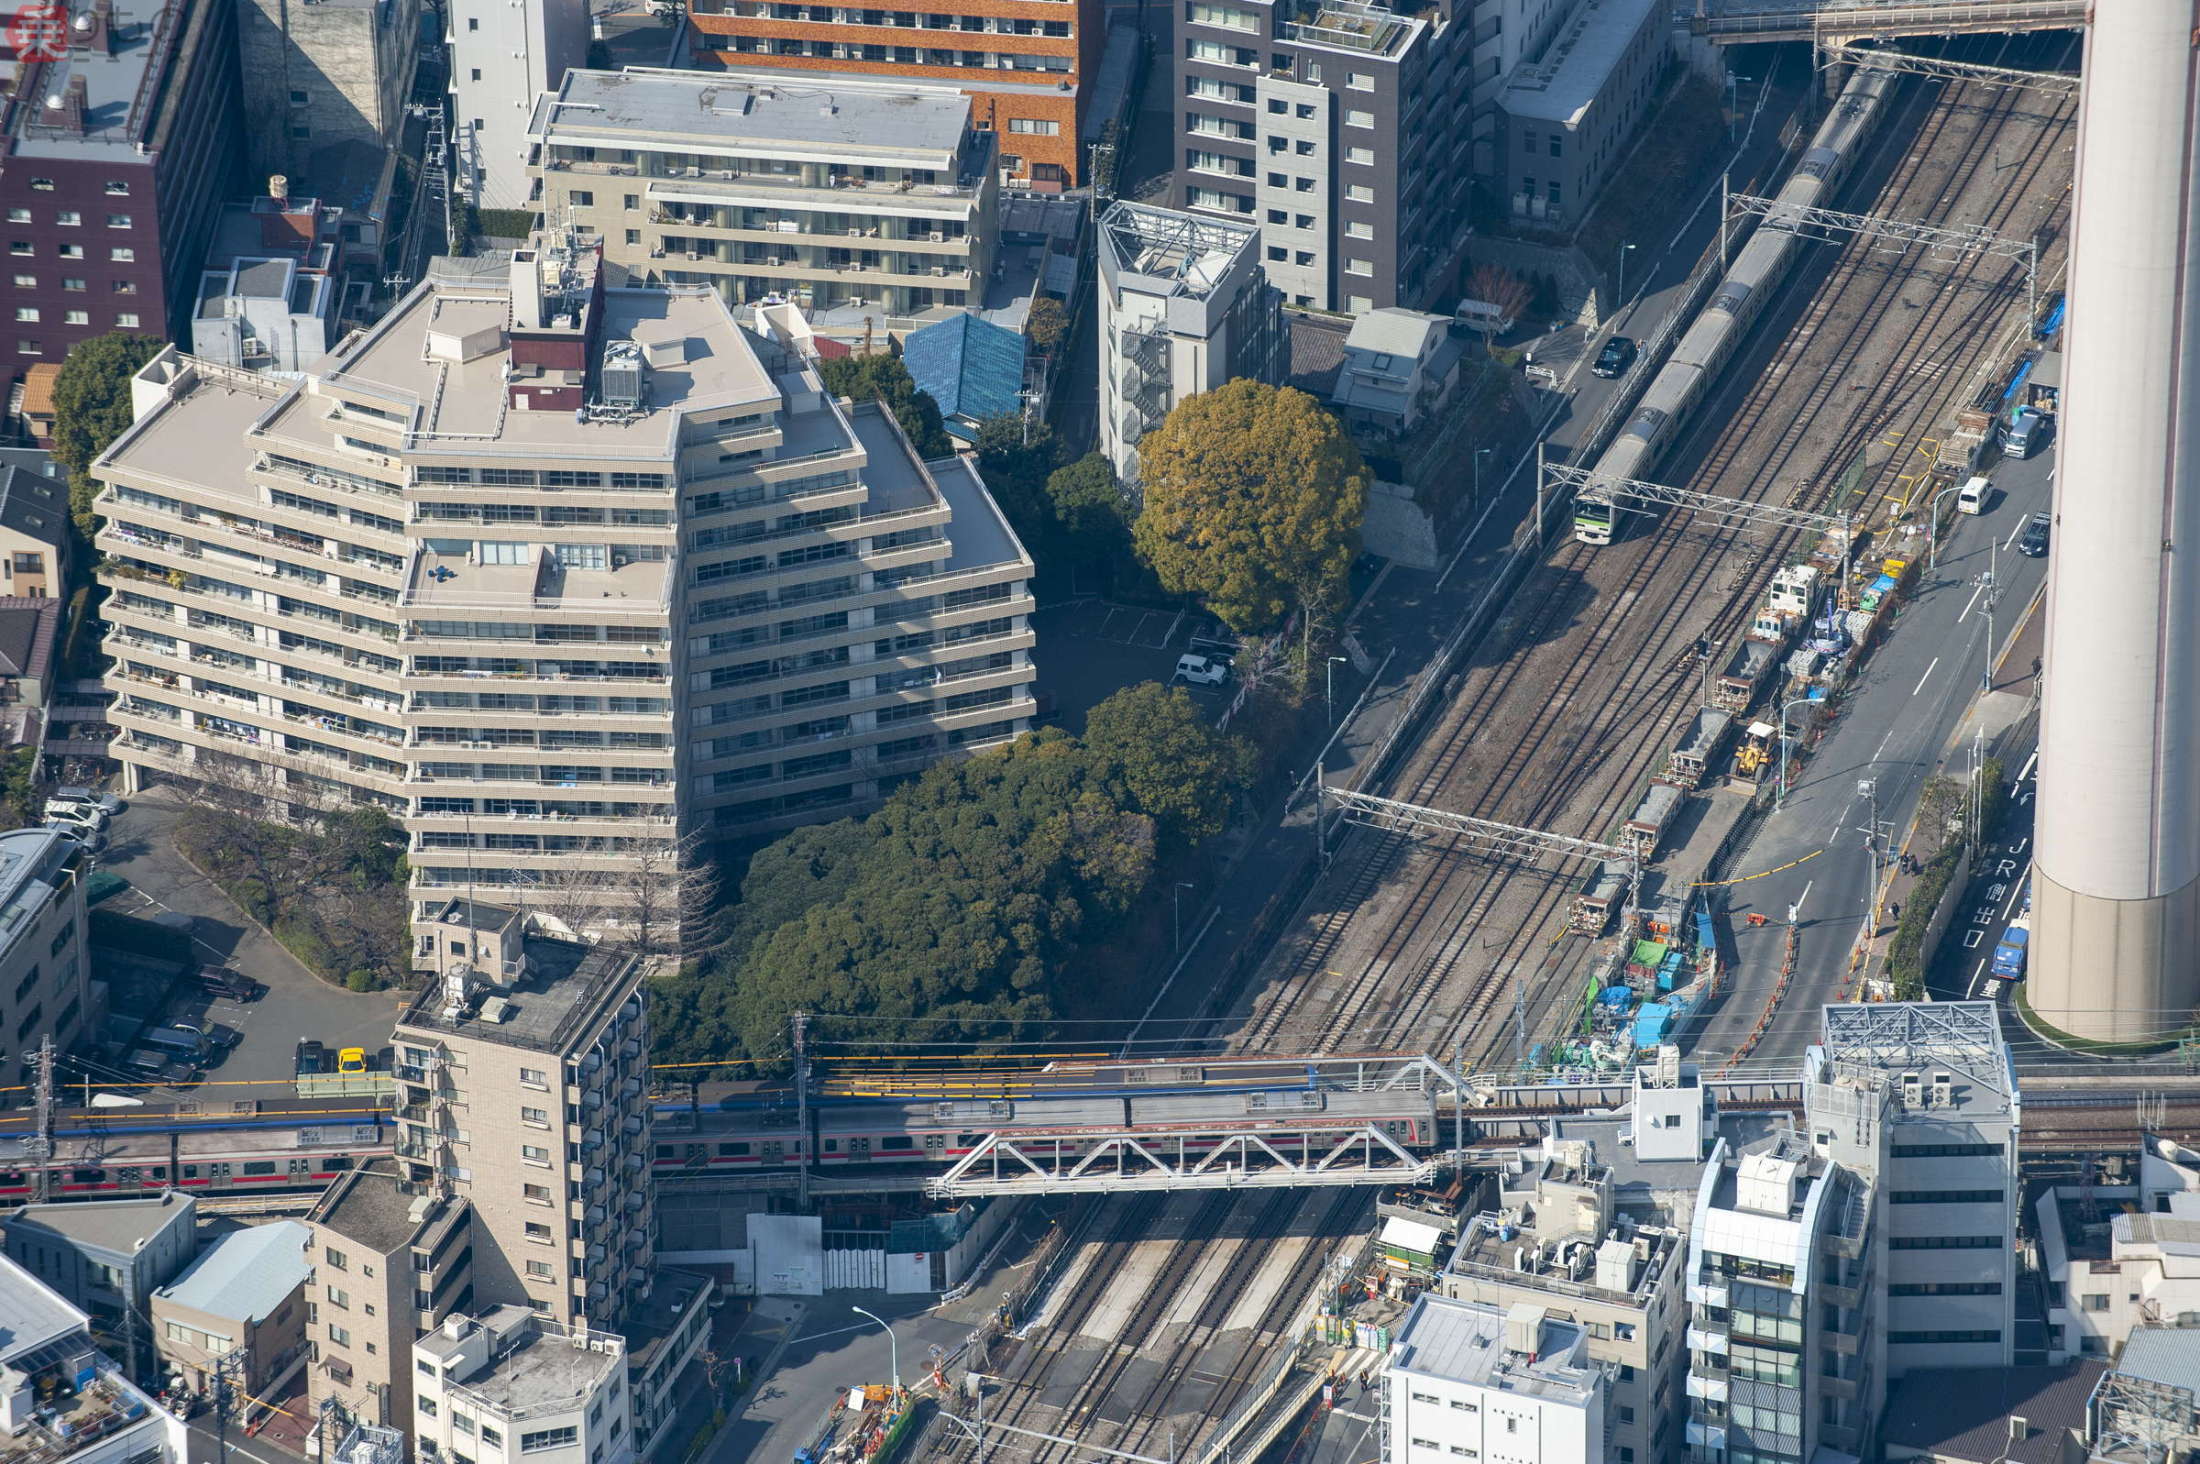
(1176, 910)
(1993, 592)
(893, 1348)
(1733, 101)
(1329, 688)
(1619, 292)
(1932, 528)
(1779, 792)
(1479, 454)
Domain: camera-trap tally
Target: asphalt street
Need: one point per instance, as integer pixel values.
(1891, 731)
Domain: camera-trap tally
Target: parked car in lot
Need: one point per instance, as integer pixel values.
(2034, 543)
(221, 981)
(84, 834)
(152, 1065)
(1202, 670)
(1618, 354)
(106, 803)
(83, 815)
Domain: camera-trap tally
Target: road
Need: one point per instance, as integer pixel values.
(1891, 732)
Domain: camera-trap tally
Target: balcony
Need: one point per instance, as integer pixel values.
(453, 584)
(1701, 1340)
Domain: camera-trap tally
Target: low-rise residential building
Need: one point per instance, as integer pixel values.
(68, 1402)
(1513, 1385)
(246, 1290)
(387, 1263)
(1574, 110)
(30, 634)
(270, 295)
(1398, 365)
(34, 532)
(742, 604)
(107, 1258)
(2112, 1272)
(861, 193)
(971, 367)
(43, 948)
(1184, 307)
(510, 1383)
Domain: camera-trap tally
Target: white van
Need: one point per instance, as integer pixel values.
(1973, 496)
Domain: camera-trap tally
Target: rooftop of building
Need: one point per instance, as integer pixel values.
(476, 915)
(456, 580)
(1559, 85)
(38, 384)
(651, 1322)
(691, 111)
(1358, 29)
(2166, 1355)
(982, 537)
(32, 862)
(82, 1399)
(1965, 1414)
(1174, 252)
(1943, 1058)
(366, 1206)
(36, 1324)
(565, 989)
(33, 459)
(29, 625)
(199, 433)
(246, 1274)
(113, 87)
(33, 503)
(1519, 1350)
(971, 367)
(533, 1365)
(119, 1227)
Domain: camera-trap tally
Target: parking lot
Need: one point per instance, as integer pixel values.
(296, 1004)
(1091, 649)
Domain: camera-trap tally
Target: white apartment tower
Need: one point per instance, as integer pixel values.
(1184, 307)
(568, 578)
(504, 54)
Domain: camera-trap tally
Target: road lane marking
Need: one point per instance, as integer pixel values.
(2029, 764)
(1971, 603)
(2009, 542)
(1925, 678)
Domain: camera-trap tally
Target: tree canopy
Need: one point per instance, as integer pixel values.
(964, 896)
(1090, 513)
(1014, 458)
(91, 407)
(1253, 502)
(866, 378)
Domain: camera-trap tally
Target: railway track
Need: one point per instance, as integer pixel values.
(1567, 758)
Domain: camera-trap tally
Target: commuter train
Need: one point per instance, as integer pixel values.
(1720, 329)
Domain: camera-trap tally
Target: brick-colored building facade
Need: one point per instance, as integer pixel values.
(1026, 65)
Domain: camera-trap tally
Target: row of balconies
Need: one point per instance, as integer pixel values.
(800, 264)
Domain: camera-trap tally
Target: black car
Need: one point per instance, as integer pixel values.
(312, 1056)
(2034, 543)
(1618, 354)
(235, 985)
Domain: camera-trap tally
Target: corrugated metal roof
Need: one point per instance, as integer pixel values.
(2163, 1356)
(246, 1274)
(973, 368)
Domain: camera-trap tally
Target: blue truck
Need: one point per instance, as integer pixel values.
(2009, 955)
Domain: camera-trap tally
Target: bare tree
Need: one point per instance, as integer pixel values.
(1494, 285)
(660, 900)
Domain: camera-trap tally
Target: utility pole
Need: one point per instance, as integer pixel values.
(1993, 593)
(39, 1145)
(800, 1021)
(228, 1389)
(1458, 1102)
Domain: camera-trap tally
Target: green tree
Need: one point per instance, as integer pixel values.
(1015, 459)
(1179, 771)
(884, 377)
(1091, 518)
(91, 407)
(1047, 323)
(1253, 501)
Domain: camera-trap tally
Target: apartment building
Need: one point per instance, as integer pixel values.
(504, 55)
(1184, 307)
(119, 151)
(1468, 1381)
(246, 1290)
(388, 1260)
(1026, 65)
(827, 192)
(560, 574)
(271, 291)
(510, 1383)
(1341, 131)
(45, 971)
(34, 532)
(68, 1402)
(334, 74)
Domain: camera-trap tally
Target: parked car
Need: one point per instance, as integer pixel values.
(2034, 543)
(1618, 354)
(83, 814)
(1202, 670)
(106, 803)
(235, 985)
(91, 838)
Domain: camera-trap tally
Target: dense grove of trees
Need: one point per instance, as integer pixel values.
(961, 899)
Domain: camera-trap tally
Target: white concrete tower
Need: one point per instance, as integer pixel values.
(2116, 898)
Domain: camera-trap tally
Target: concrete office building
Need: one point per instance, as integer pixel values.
(1028, 66)
(69, 1402)
(504, 55)
(43, 953)
(1467, 1381)
(1507, 33)
(324, 76)
(1574, 110)
(246, 1290)
(2116, 887)
(118, 156)
(1184, 307)
(1341, 131)
(107, 1258)
(858, 193)
(510, 1383)
(745, 604)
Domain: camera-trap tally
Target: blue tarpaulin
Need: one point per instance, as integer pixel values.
(1652, 1023)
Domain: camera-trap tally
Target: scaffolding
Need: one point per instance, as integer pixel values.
(2135, 1420)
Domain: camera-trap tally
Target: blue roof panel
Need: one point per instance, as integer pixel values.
(973, 368)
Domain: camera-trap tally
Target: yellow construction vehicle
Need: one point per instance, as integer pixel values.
(1756, 752)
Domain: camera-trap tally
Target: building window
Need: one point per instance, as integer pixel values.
(493, 1438)
(335, 1259)
(28, 348)
(1919, 1338)
(1355, 229)
(1035, 125)
(476, 70)
(549, 1438)
(339, 1335)
(1359, 119)
(539, 1270)
(299, 98)
(1558, 145)
(535, 1116)
(582, 198)
(70, 251)
(427, 1408)
(1947, 1197)
(26, 312)
(73, 283)
(126, 320)
(123, 255)
(338, 1297)
(536, 1230)
(534, 1076)
(2096, 1301)
(1364, 156)
(76, 317)
(1359, 267)
(26, 282)
(1278, 253)
(68, 218)
(42, 185)
(19, 215)
(20, 247)
(1358, 193)
(116, 188)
